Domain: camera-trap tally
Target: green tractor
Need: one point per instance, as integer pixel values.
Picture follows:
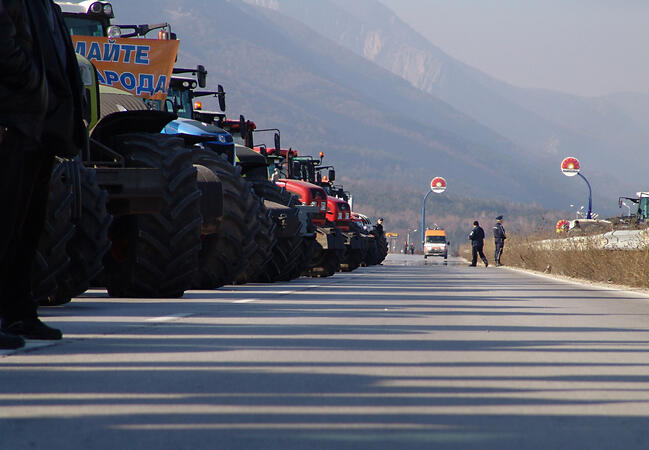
(135, 220)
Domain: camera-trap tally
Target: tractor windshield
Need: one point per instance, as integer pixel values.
(182, 100)
(435, 239)
(84, 26)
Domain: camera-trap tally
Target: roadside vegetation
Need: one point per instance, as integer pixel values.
(583, 261)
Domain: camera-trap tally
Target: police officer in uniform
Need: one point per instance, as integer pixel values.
(499, 239)
(477, 243)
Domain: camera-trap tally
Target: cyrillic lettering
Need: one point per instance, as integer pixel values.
(161, 86)
(111, 77)
(145, 84)
(111, 52)
(142, 54)
(94, 52)
(128, 80)
(128, 50)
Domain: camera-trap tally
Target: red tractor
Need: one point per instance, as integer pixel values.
(364, 246)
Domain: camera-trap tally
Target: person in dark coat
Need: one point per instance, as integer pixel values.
(379, 225)
(477, 243)
(499, 239)
(40, 117)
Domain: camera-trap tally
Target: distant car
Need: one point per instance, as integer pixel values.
(435, 243)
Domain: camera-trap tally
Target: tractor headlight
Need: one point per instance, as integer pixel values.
(340, 216)
(114, 32)
(108, 9)
(96, 8)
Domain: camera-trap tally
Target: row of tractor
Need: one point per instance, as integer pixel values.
(168, 197)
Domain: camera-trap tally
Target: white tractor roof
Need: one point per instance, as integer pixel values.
(76, 7)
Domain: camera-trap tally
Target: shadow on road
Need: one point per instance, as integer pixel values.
(396, 357)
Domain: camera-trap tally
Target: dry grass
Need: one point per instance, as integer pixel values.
(629, 268)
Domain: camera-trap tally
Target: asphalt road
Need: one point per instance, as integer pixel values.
(401, 356)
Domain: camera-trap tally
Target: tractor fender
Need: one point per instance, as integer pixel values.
(123, 122)
(286, 219)
(329, 238)
(352, 240)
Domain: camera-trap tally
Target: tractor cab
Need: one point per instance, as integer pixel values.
(88, 18)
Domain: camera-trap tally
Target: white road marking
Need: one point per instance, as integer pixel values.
(246, 300)
(169, 318)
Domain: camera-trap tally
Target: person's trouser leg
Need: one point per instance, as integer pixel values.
(474, 255)
(499, 250)
(482, 256)
(26, 182)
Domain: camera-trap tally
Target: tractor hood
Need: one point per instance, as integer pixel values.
(195, 128)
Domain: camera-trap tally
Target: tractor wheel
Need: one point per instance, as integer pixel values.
(305, 258)
(90, 241)
(156, 255)
(51, 256)
(226, 254)
(352, 261)
(266, 241)
(287, 258)
(382, 248)
(372, 255)
(326, 265)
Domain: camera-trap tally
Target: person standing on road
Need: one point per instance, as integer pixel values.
(40, 117)
(477, 243)
(379, 226)
(499, 239)
(412, 248)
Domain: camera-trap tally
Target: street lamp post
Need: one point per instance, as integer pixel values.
(570, 167)
(437, 185)
(408, 237)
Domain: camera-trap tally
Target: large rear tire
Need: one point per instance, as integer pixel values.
(156, 255)
(225, 255)
(90, 241)
(287, 255)
(266, 241)
(51, 256)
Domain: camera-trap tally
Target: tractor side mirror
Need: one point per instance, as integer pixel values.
(296, 169)
(169, 105)
(221, 95)
(201, 74)
(278, 144)
(242, 126)
(332, 175)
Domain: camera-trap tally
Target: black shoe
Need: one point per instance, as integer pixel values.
(10, 341)
(32, 329)
(471, 265)
(486, 264)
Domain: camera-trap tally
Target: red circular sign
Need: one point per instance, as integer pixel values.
(438, 185)
(570, 166)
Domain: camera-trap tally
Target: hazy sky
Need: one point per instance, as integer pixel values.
(586, 47)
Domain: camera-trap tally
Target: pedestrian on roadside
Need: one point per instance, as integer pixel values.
(405, 248)
(379, 225)
(499, 239)
(412, 248)
(40, 117)
(477, 243)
